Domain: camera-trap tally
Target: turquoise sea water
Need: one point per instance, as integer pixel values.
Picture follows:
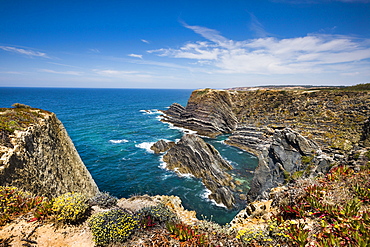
(113, 129)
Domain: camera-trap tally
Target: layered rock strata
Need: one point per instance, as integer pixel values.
(251, 139)
(267, 122)
(282, 159)
(192, 155)
(161, 146)
(209, 112)
(42, 159)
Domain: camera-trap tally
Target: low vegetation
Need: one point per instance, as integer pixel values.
(18, 118)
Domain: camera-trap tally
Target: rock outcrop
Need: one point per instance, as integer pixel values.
(41, 158)
(282, 160)
(192, 155)
(161, 146)
(251, 139)
(335, 119)
(209, 112)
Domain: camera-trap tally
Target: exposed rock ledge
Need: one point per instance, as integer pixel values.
(209, 112)
(42, 159)
(192, 155)
(282, 159)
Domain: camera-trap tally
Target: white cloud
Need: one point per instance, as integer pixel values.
(61, 72)
(110, 72)
(257, 27)
(145, 41)
(94, 50)
(313, 53)
(29, 53)
(135, 55)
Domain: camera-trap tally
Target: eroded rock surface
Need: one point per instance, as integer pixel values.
(192, 155)
(209, 112)
(43, 160)
(161, 146)
(281, 159)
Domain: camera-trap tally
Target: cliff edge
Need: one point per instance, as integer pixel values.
(280, 125)
(37, 155)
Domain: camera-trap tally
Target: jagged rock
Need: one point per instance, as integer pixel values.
(209, 112)
(193, 155)
(251, 139)
(161, 146)
(365, 138)
(281, 159)
(44, 161)
(136, 203)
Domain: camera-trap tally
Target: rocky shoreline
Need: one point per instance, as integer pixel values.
(296, 132)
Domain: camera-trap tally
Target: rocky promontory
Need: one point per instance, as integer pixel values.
(209, 112)
(192, 155)
(37, 155)
(279, 125)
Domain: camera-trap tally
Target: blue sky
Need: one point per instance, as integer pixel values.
(184, 43)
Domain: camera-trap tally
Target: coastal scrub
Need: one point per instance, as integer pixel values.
(112, 226)
(70, 207)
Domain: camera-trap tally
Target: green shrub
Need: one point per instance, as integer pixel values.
(112, 226)
(103, 200)
(150, 216)
(307, 160)
(70, 207)
(19, 105)
(14, 202)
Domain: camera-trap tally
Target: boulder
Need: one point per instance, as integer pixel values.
(161, 146)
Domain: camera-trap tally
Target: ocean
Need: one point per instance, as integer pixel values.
(113, 130)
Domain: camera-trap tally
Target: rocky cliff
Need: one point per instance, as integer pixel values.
(37, 155)
(209, 112)
(279, 126)
(192, 155)
(289, 156)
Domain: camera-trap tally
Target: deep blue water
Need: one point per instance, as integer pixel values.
(112, 133)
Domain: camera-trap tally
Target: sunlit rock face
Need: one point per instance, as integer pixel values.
(192, 155)
(41, 158)
(209, 112)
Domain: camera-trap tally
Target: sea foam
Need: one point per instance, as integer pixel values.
(152, 111)
(118, 141)
(205, 196)
(146, 146)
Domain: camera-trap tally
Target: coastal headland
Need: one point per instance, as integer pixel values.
(298, 135)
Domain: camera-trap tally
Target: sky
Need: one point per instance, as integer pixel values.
(184, 44)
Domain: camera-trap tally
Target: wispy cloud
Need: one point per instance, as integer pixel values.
(309, 54)
(257, 27)
(94, 50)
(209, 34)
(12, 72)
(110, 72)
(129, 75)
(136, 55)
(145, 41)
(64, 65)
(21, 51)
(77, 73)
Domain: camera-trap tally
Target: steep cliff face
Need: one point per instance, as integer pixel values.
(279, 126)
(192, 155)
(282, 160)
(334, 119)
(208, 111)
(38, 156)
